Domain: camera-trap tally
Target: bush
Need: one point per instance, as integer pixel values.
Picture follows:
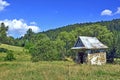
(45, 50)
(9, 56)
(3, 50)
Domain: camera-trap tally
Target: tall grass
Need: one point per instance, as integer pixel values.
(23, 69)
(57, 70)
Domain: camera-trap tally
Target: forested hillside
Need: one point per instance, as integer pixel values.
(56, 44)
(113, 25)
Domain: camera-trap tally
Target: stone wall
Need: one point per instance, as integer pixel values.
(96, 58)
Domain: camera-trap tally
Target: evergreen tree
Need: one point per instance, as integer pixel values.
(3, 33)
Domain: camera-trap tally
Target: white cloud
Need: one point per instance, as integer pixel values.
(106, 12)
(33, 23)
(18, 28)
(3, 4)
(118, 11)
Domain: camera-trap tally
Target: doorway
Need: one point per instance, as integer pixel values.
(81, 57)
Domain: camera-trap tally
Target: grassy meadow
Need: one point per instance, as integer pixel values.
(20, 53)
(23, 69)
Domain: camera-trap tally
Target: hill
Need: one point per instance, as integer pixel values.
(57, 43)
(20, 53)
(113, 25)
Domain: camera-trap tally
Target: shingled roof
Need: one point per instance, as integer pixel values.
(84, 42)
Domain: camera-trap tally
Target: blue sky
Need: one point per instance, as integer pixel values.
(42, 15)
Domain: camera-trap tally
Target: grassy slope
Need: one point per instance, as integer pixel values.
(24, 69)
(20, 53)
(9, 47)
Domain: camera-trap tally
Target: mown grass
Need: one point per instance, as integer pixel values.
(23, 69)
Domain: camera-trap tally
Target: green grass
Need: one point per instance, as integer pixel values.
(13, 48)
(23, 69)
(20, 53)
(57, 70)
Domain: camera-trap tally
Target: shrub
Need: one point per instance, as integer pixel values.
(9, 56)
(45, 50)
(3, 50)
